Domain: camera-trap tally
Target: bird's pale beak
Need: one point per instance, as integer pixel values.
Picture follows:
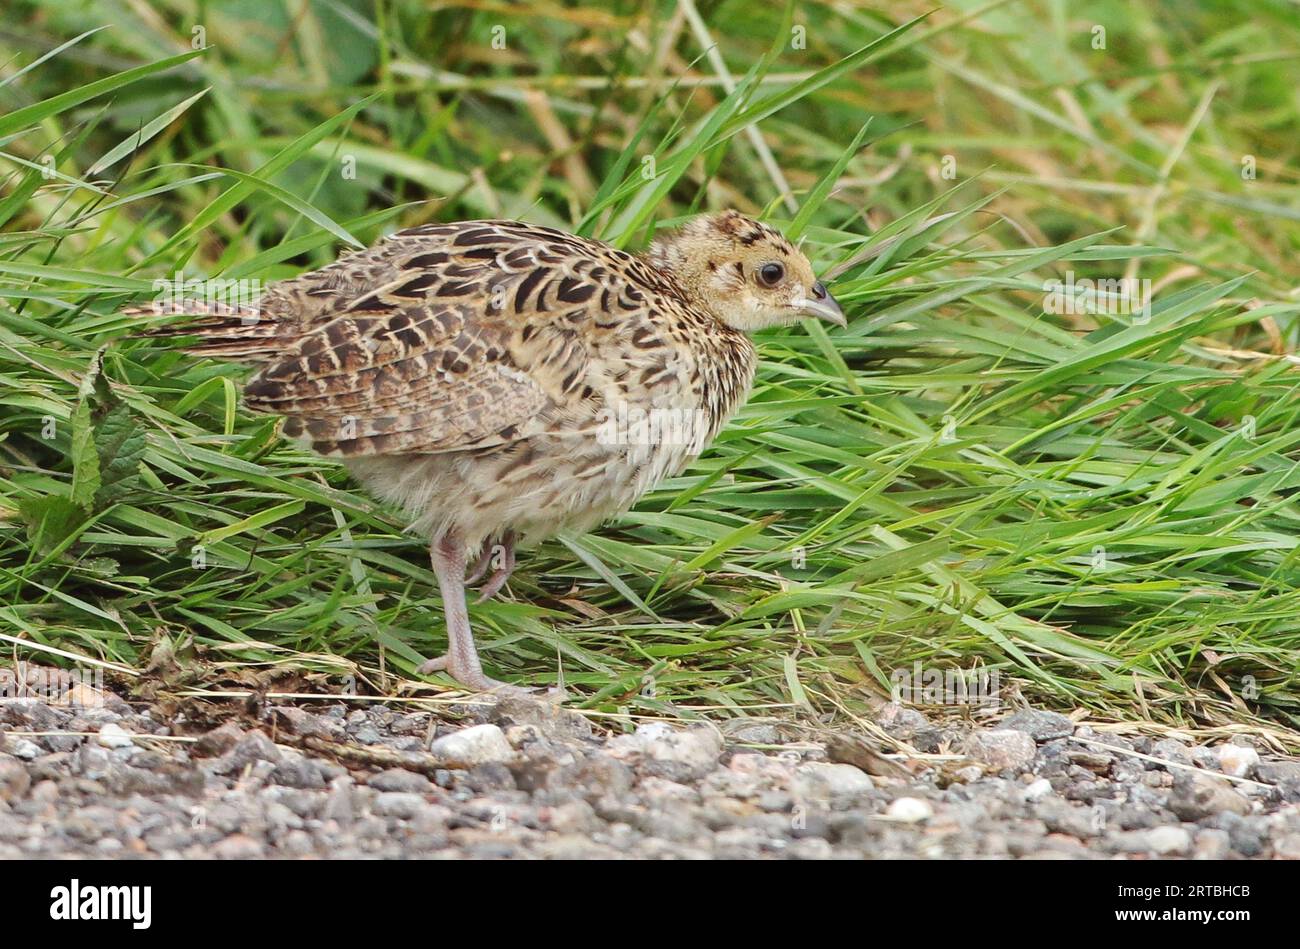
(821, 305)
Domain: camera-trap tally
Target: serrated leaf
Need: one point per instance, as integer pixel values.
(120, 444)
(50, 520)
(107, 443)
(85, 459)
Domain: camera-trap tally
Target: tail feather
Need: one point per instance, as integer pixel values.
(220, 330)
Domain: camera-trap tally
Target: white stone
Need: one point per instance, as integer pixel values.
(696, 749)
(478, 744)
(910, 810)
(22, 748)
(969, 774)
(662, 788)
(1237, 760)
(113, 735)
(1169, 840)
(1038, 790)
(653, 731)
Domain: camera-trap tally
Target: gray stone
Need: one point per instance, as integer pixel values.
(1039, 725)
(1287, 847)
(1206, 757)
(678, 755)
(658, 790)
(1248, 836)
(45, 791)
(400, 804)
(778, 802)
(1170, 749)
(368, 735)
(752, 732)
(298, 843)
(413, 723)
(1211, 844)
(300, 772)
(302, 722)
(338, 806)
(685, 755)
(552, 721)
(14, 779)
(1001, 749)
(399, 779)
(1276, 771)
(253, 747)
(305, 803)
(219, 740)
(1037, 789)
(489, 777)
(1197, 795)
(280, 818)
(899, 719)
(821, 781)
(1061, 817)
(238, 847)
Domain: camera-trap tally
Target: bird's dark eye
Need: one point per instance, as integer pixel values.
(769, 275)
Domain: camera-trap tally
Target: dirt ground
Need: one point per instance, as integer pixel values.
(519, 777)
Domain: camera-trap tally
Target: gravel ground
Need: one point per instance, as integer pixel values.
(521, 778)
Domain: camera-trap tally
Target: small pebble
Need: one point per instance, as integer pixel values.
(25, 748)
(1038, 790)
(1169, 841)
(1040, 725)
(1001, 749)
(478, 744)
(519, 779)
(909, 810)
(1237, 760)
(824, 782)
(113, 735)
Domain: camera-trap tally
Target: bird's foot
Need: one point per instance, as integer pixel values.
(480, 567)
(494, 583)
(470, 675)
(501, 558)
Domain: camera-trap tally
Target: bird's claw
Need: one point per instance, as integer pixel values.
(494, 584)
(480, 567)
(500, 574)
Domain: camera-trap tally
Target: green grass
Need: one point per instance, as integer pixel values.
(1101, 509)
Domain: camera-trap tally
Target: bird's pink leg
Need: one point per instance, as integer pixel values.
(461, 661)
(502, 573)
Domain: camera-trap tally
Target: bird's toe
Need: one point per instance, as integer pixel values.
(493, 586)
(436, 664)
(471, 676)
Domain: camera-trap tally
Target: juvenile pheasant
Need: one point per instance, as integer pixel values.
(501, 381)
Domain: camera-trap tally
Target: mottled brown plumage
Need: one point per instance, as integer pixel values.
(496, 379)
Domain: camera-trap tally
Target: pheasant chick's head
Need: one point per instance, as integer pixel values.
(743, 272)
